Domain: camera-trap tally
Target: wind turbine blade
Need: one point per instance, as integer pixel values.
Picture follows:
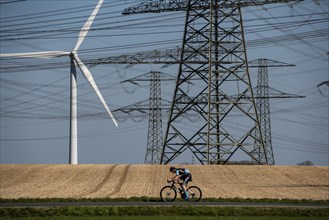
(44, 55)
(92, 83)
(86, 27)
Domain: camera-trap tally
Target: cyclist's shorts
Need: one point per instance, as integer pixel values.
(186, 178)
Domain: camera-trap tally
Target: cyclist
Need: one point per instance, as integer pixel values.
(183, 176)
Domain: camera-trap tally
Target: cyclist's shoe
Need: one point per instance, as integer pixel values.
(186, 196)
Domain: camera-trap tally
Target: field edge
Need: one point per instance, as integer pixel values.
(151, 199)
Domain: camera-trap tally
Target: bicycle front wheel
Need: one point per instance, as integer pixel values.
(168, 194)
(195, 193)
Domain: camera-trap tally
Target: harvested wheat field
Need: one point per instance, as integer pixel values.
(125, 181)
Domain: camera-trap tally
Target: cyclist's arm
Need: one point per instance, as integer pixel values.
(175, 178)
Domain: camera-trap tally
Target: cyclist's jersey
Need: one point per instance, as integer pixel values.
(182, 171)
(184, 174)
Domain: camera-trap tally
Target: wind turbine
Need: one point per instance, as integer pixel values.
(75, 61)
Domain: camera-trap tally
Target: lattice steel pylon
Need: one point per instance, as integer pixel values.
(263, 107)
(154, 106)
(154, 134)
(263, 94)
(221, 92)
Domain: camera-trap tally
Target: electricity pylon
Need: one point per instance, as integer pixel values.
(224, 96)
(262, 94)
(213, 57)
(154, 107)
(154, 134)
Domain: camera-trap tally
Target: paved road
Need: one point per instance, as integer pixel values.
(219, 204)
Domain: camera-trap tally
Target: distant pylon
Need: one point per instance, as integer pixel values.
(154, 105)
(262, 94)
(154, 135)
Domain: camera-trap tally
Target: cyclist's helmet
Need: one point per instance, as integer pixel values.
(172, 169)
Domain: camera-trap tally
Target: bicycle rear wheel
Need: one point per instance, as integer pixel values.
(195, 193)
(168, 194)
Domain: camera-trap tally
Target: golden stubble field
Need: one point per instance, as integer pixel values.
(125, 181)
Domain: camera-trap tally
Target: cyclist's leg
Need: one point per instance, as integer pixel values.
(183, 182)
(180, 182)
(187, 178)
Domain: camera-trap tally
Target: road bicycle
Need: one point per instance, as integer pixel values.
(170, 192)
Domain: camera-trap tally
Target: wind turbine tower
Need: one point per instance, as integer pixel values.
(154, 106)
(74, 61)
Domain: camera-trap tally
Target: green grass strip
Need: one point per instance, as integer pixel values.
(171, 218)
(163, 211)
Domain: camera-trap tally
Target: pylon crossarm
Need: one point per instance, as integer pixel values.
(158, 6)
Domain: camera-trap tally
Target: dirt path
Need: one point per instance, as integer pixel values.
(124, 181)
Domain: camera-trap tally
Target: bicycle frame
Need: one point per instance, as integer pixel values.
(173, 183)
(170, 191)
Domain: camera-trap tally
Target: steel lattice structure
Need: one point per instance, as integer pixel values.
(263, 107)
(213, 57)
(263, 94)
(154, 135)
(154, 106)
(214, 34)
(157, 6)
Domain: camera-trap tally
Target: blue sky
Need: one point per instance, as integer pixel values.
(35, 99)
